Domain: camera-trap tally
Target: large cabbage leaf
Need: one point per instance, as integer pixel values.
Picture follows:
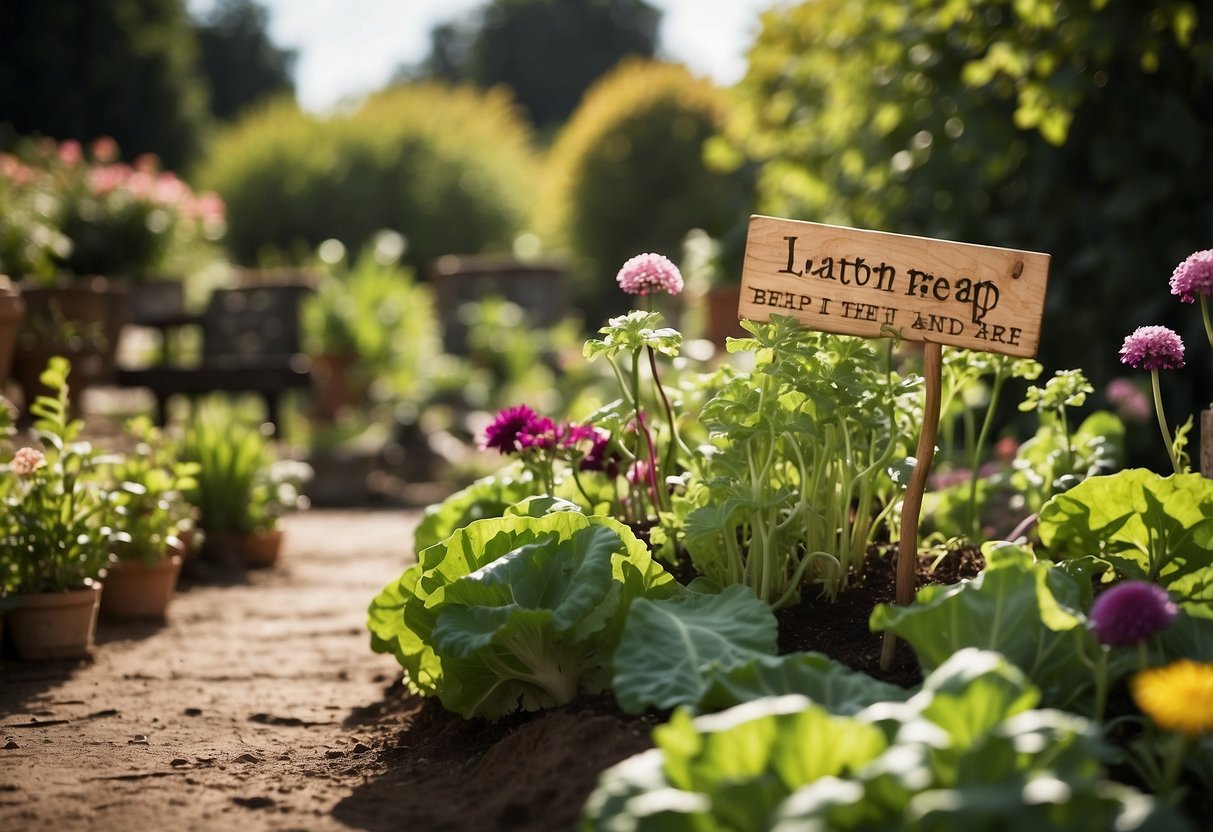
(516, 612)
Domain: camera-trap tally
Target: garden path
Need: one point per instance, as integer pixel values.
(253, 707)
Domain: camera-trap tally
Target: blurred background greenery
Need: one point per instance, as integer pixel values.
(541, 129)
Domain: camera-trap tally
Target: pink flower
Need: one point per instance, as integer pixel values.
(504, 433)
(1153, 348)
(649, 273)
(1194, 276)
(1131, 612)
(70, 153)
(1130, 402)
(26, 461)
(105, 149)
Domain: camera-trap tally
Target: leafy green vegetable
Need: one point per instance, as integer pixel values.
(967, 752)
(487, 497)
(829, 684)
(515, 612)
(1026, 610)
(669, 645)
(1146, 526)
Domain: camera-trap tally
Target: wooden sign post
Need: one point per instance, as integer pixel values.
(869, 283)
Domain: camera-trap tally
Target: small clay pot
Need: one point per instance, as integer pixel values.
(261, 549)
(135, 590)
(55, 625)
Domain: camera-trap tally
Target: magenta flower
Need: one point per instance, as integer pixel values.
(540, 433)
(1131, 612)
(648, 274)
(504, 432)
(1193, 277)
(1153, 348)
(1130, 403)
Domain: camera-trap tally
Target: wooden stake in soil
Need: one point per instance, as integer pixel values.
(911, 505)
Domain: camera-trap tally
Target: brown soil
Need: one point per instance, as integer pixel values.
(260, 706)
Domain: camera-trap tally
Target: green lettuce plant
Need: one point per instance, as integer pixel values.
(517, 612)
(970, 750)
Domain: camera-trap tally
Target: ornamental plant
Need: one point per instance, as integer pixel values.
(89, 214)
(1192, 281)
(150, 483)
(1157, 348)
(57, 530)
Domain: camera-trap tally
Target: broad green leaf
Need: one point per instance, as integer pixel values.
(1024, 609)
(669, 645)
(487, 497)
(1149, 527)
(833, 686)
(972, 692)
(749, 758)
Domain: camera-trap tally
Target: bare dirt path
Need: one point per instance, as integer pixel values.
(254, 707)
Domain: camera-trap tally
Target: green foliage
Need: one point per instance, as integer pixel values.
(56, 527)
(969, 751)
(627, 174)
(485, 498)
(450, 168)
(1024, 609)
(669, 645)
(799, 478)
(1145, 526)
(375, 311)
(1075, 128)
(517, 612)
(123, 69)
(149, 504)
(233, 457)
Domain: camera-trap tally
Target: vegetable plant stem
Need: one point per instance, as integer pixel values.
(911, 506)
(975, 459)
(1162, 422)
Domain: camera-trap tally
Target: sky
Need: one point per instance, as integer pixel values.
(350, 47)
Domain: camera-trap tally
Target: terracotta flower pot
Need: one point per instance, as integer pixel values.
(135, 590)
(332, 386)
(261, 549)
(55, 625)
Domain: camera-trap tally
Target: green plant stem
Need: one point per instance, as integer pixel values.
(675, 440)
(1162, 422)
(1205, 318)
(1173, 764)
(1101, 683)
(975, 459)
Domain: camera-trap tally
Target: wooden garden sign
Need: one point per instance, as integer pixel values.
(873, 284)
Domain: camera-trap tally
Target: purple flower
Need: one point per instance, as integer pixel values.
(1131, 612)
(505, 431)
(649, 273)
(1193, 277)
(1153, 348)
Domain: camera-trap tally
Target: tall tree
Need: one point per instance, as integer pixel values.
(239, 60)
(121, 68)
(548, 51)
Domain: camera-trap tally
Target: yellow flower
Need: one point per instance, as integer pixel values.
(1178, 697)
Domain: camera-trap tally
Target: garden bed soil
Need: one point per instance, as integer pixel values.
(260, 706)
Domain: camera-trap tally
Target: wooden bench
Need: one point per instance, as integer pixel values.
(250, 344)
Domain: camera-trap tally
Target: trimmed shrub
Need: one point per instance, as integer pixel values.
(451, 168)
(628, 174)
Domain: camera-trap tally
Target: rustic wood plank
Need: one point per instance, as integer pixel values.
(871, 283)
